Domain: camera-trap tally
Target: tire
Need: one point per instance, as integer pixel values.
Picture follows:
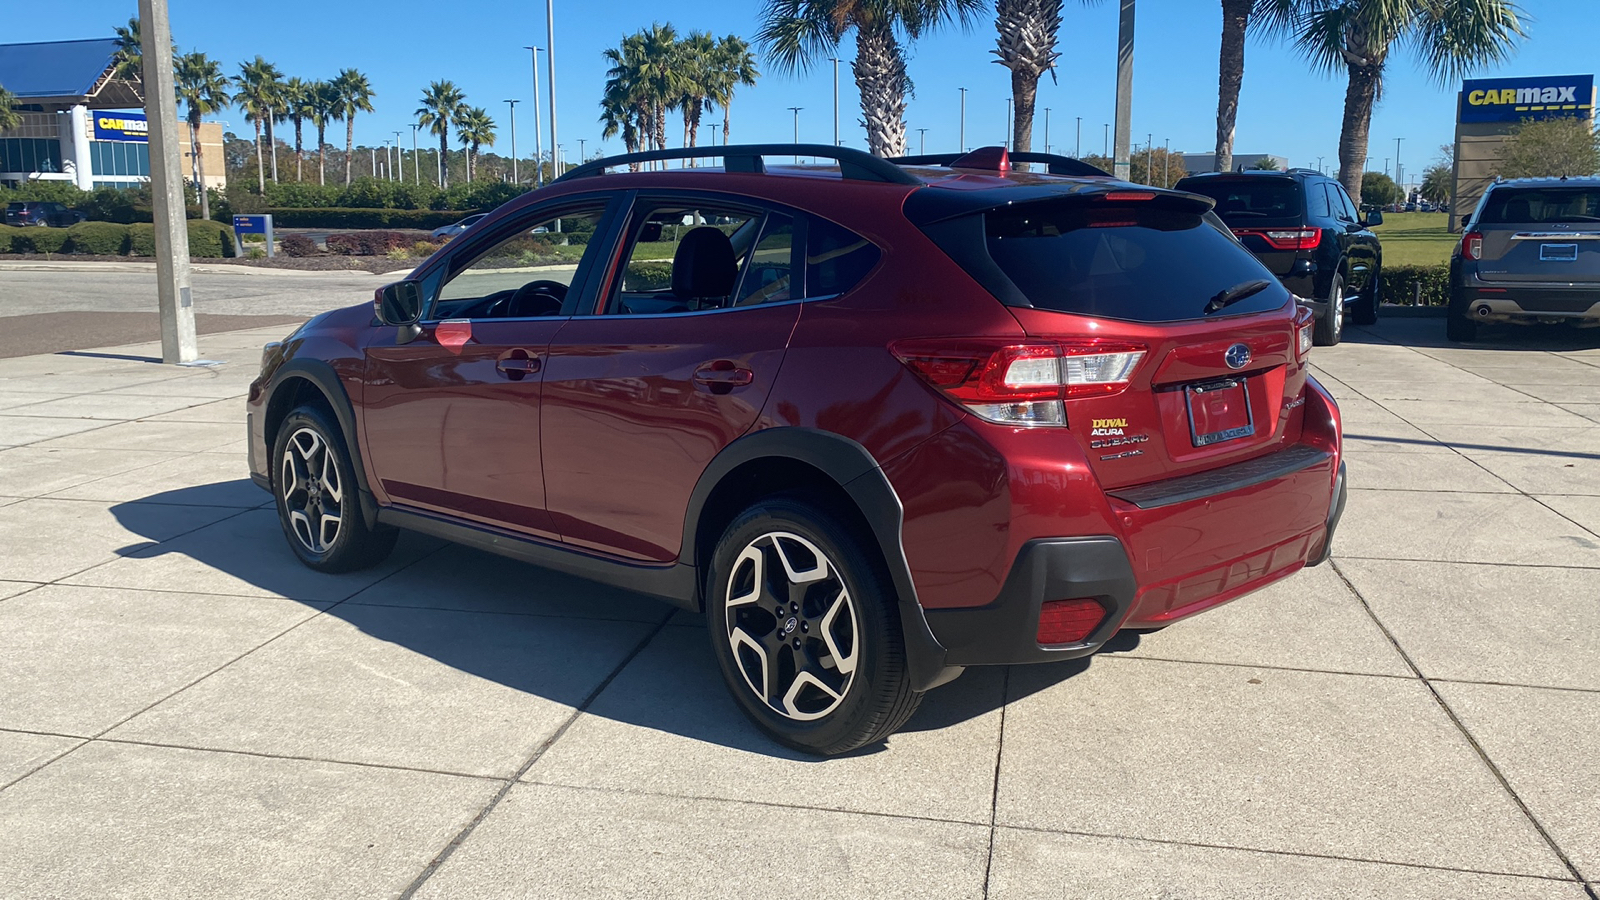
(1459, 326)
(1330, 325)
(806, 631)
(1365, 311)
(314, 485)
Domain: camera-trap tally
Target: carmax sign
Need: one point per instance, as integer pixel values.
(1515, 99)
(121, 127)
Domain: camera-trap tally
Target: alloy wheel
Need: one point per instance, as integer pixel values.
(313, 496)
(1336, 309)
(792, 625)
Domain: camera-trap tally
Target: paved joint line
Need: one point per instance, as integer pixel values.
(392, 767)
(1468, 562)
(1466, 734)
(500, 612)
(81, 742)
(1116, 655)
(994, 797)
(467, 830)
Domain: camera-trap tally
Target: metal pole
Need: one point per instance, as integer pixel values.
(400, 153)
(550, 60)
(1399, 170)
(961, 147)
(416, 161)
(1078, 147)
(922, 140)
(515, 179)
(796, 111)
(836, 101)
(1150, 159)
(1105, 150)
(166, 189)
(1011, 128)
(538, 141)
(374, 161)
(388, 163)
(1124, 112)
(1047, 129)
(1166, 164)
(581, 143)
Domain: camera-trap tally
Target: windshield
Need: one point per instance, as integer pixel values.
(1521, 206)
(1137, 262)
(1249, 201)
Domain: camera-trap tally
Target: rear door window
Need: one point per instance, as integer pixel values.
(1250, 202)
(1318, 206)
(1514, 206)
(837, 259)
(1136, 262)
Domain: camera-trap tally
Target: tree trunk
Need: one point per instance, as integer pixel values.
(349, 147)
(261, 172)
(272, 148)
(1359, 98)
(725, 113)
(880, 73)
(322, 153)
(1230, 76)
(1026, 44)
(444, 154)
(299, 149)
(199, 167)
(1025, 91)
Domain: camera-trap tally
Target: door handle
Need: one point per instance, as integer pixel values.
(723, 374)
(517, 364)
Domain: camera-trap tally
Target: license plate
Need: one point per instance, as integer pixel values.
(1219, 411)
(1558, 252)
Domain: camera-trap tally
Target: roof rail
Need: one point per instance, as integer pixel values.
(855, 165)
(1058, 165)
(1306, 170)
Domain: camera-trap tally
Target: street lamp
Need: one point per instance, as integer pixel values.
(1047, 129)
(515, 179)
(400, 152)
(1078, 147)
(1011, 127)
(1105, 151)
(538, 142)
(796, 111)
(961, 147)
(1399, 170)
(550, 60)
(922, 141)
(835, 101)
(416, 162)
(581, 143)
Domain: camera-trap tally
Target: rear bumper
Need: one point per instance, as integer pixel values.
(1510, 301)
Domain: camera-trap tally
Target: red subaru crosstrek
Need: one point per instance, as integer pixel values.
(879, 420)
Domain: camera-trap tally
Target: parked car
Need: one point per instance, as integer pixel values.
(1302, 225)
(38, 212)
(455, 228)
(1529, 252)
(879, 422)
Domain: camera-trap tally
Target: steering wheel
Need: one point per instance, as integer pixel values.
(544, 298)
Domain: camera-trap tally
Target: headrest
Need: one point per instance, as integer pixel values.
(704, 266)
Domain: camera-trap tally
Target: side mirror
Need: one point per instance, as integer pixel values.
(400, 303)
(1465, 219)
(1374, 218)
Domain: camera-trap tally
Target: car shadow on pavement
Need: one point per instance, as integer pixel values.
(1428, 332)
(492, 617)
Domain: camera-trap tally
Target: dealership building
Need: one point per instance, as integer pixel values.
(1488, 110)
(84, 124)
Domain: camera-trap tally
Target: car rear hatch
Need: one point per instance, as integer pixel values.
(1539, 235)
(1266, 212)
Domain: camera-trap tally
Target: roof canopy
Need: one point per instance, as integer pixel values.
(66, 72)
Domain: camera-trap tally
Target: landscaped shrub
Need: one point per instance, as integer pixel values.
(366, 243)
(98, 239)
(141, 239)
(1400, 285)
(423, 249)
(648, 275)
(297, 245)
(211, 240)
(340, 217)
(7, 234)
(38, 240)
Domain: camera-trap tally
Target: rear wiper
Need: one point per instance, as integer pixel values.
(1236, 293)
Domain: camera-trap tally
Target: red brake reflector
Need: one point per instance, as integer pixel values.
(1069, 621)
(1128, 195)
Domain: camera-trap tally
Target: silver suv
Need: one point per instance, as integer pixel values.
(1529, 253)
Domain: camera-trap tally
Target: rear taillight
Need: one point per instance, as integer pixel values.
(1285, 238)
(1304, 331)
(1068, 621)
(1020, 384)
(1471, 246)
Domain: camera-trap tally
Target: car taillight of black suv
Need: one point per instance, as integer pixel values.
(877, 422)
(1529, 252)
(1303, 226)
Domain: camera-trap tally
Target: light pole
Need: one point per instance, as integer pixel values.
(1011, 128)
(1166, 164)
(1047, 129)
(1124, 111)
(550, 60)
(1078, 147)
(416, 162)
(581, 143)
(961, 147)
(835, 101)
(400, 152)
(538, 142)
(796, 111)
(1319, 166)
(515, 175)
(166, 184)
(388, 162)
(922, 141)
(1399, 170)
(1105, 151)
(1150, 158)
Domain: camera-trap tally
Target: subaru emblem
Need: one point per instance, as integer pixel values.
(1237, 357)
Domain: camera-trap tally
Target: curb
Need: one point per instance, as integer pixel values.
(199, 268)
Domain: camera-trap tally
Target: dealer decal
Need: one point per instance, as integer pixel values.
(453, 333)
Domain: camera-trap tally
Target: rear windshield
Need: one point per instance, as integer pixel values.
(1246, 201)
(1136, 262)
(1515, 206)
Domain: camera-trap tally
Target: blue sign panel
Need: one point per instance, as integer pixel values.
(116, 126)
(252, 224)
(1515, 99)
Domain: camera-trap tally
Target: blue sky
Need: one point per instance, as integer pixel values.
(403, 44)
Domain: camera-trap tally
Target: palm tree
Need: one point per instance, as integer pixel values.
(9, 117)
(1272, 17)
(1452, 37)
(617, 116)
(355, 95)
(695, 64)
(797, 33)
(300, 105)
(259, 85)
(441, 106)
(734, 67)
(1026, 45)
(661, 77)
(627, 92)
(203, 88)
(474, 128)
(129, 57)
(325, 108)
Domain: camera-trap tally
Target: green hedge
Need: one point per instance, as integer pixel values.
(212, 240)
(1400, 285)
(347, 217)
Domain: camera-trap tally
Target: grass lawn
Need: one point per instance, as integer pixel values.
(1416, 239)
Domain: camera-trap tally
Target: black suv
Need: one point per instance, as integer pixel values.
(37, 212)
(1303, 226)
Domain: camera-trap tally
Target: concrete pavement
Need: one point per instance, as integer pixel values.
(187, 712)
